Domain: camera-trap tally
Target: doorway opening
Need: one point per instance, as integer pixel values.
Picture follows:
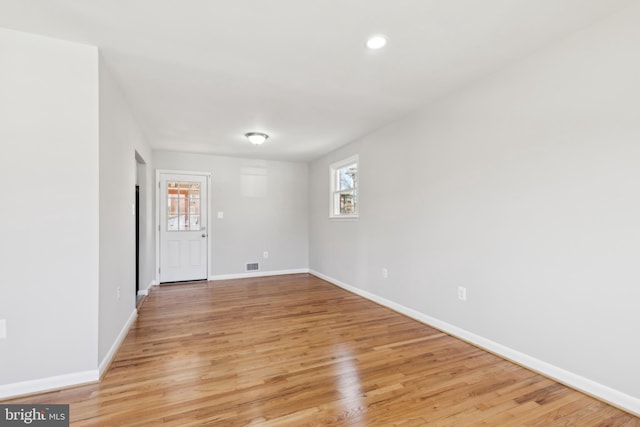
(144, 269)
(137, 240)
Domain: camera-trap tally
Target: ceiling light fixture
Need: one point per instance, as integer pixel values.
(256, 138)
(376, 42)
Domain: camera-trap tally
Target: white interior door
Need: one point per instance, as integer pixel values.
(183, 227)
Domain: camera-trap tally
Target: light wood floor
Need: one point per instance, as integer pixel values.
(295, 350)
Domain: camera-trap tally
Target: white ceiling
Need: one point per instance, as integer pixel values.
(199, 74)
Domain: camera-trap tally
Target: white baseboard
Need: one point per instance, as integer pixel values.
(607, 394)
(68, 380)
(258, 274)
(116, 344)
(145, 291)
(47, 384)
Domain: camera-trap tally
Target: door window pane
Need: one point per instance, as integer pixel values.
(183, 206)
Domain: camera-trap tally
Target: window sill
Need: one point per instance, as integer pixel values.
(344, 218)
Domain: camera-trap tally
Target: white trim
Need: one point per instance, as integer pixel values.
(178, 172)
(47, 384)
(157, 224)
(68, 380)
(116, 345)
(145, 291)
(344, 218)
(345, 162)
(600, 391)
(156, 191)
(258, 274)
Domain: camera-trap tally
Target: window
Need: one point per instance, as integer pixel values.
(183, 206)
(344, 188)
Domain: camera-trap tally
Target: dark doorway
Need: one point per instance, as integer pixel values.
(137, 239)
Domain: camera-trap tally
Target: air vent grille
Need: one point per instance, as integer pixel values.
(253, 266)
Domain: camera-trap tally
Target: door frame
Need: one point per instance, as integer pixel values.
(160, 172)
(137, 211)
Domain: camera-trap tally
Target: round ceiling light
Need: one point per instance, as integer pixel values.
(376, 42)
(256, 138)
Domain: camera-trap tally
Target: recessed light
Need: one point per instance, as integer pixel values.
(256, 138)
(376, 42)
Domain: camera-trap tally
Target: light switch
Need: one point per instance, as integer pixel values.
(220, 215)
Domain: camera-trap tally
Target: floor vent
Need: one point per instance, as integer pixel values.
(254, 266)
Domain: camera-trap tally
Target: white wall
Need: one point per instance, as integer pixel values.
(265, 208)
(525, 189)
(49, 214)
(120, 139)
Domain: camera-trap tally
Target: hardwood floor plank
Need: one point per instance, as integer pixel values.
(295, 350)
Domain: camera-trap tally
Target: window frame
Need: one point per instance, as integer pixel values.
(334, 168)
(184, 200)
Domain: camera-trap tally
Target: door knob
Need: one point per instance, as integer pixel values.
(204, 235)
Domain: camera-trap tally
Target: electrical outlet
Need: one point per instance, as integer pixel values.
(265, 254)
(3, 329)
(385, 273)
(118, 292)
(462, 293)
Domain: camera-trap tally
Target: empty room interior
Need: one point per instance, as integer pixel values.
(297, 212)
